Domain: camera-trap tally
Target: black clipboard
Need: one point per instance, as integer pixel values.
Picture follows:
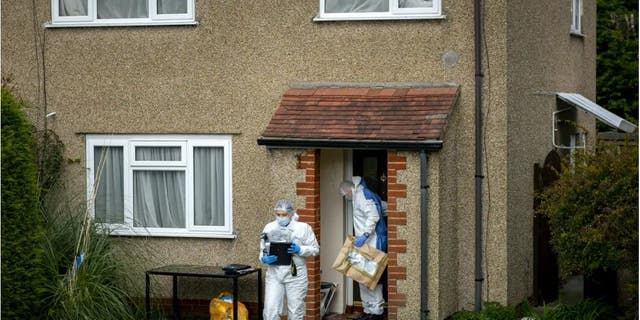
(279, 249)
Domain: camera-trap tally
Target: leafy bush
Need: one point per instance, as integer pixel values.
(495, 311)
(22, 226)
(584, 310)
(469, 315)
(593, 211)
(491, 311)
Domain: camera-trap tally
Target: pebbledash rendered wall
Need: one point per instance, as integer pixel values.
(226, 76)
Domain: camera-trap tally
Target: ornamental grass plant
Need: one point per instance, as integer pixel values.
(88, 275)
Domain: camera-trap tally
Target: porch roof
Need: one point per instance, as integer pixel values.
(394, 116)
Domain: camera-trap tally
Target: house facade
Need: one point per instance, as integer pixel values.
(184, 121)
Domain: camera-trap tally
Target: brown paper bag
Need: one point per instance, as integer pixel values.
(364, 264)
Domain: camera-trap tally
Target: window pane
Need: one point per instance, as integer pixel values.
(575, 13)
(72, 8)
(208, 186)
(415, 3)
(158, 154)
(109, 184)
(172, 6)
(122, 9)
(342, 6)
(159, 199)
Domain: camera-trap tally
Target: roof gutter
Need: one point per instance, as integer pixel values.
(427, 145)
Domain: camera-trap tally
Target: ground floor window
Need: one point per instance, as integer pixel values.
(160, 185)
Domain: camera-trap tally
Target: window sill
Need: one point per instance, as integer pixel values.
(396, 17)
(107, 24)
(186, 234)
(577, 34)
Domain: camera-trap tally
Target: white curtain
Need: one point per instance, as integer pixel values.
(72, 8)
(158, 154)
(208, 186)
(172, 6)
(158, 199)
(122, 9)
(342, 6)
(109, 180)
(159, 196)
(414, 3)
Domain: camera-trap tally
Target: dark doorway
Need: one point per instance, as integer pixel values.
(371, 165)
(546, 280)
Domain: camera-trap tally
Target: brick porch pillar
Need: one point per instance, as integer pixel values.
(309, 161)
(396, 245)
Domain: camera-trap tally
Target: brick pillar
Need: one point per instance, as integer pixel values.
(397, 244)
(309, 161)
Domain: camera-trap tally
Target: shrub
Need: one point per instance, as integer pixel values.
(22, 226)
(495, 311)
(593, 211)
(491, 311)
(583, 310)
(469, 315)
(586, 310)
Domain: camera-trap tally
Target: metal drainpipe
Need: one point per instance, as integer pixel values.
(478, 140)
(424, 241)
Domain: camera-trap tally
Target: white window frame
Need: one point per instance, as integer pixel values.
(91, 19)
(182, 144)
(187, 143)
(576, 16)
(394, 13)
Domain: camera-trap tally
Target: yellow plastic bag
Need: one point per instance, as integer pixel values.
(221, 308)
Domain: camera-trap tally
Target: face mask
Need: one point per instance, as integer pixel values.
(283, 221)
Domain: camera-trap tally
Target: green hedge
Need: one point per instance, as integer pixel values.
(22, 225)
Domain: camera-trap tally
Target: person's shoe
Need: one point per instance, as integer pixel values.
(364, 316)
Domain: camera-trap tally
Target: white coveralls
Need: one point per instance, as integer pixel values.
(365, 217)
(279, 281)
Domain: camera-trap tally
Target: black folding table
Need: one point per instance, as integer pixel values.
(200, 271)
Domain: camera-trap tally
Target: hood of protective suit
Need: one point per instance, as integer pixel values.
(294, 216)
(357, 181)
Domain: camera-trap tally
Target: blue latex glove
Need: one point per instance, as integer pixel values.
(294, 248)
(360, 241)
(268, 259)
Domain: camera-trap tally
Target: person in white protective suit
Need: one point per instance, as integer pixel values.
(290, 281)
(369, 227)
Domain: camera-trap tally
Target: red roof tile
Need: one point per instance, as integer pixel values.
(357, 113)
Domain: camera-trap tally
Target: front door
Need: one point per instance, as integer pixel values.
(336, 220)
(371, 165)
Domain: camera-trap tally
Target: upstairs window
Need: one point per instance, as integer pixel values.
(576, 16)
(121, 12)
(154, 185)
(379, 9)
